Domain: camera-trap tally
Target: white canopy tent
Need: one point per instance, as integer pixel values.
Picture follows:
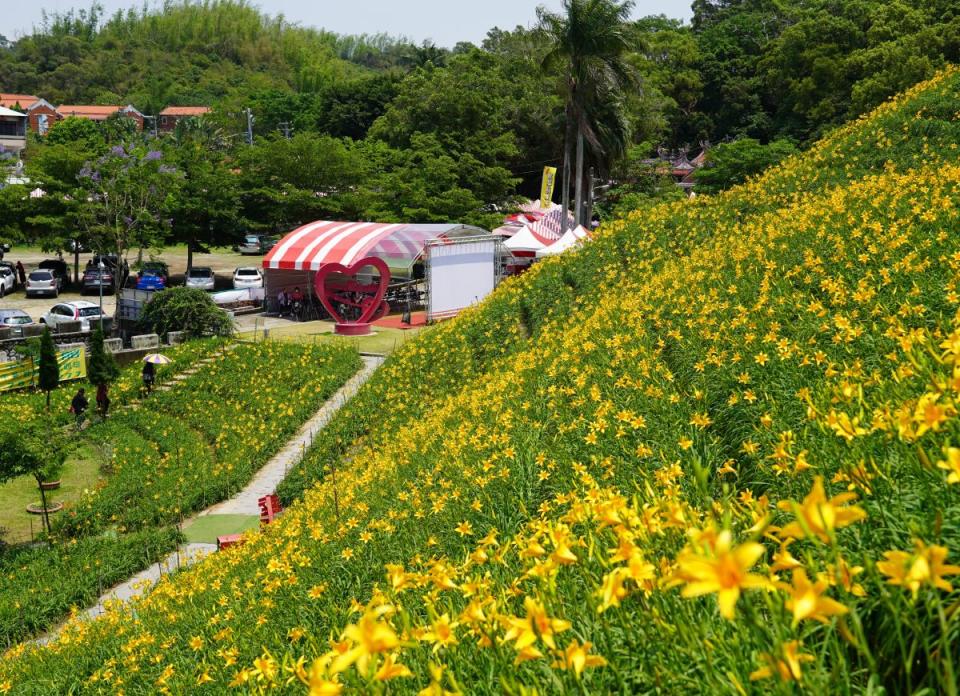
(569, 240)
(525, 241)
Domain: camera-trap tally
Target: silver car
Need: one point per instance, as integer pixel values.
(15, 319)
(201, 277)
(42, 282)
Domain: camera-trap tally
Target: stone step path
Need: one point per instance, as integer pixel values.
(263, 483)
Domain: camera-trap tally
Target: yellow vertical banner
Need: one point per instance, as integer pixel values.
(23, 373)
(546, 188)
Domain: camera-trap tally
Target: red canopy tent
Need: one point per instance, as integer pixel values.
(351, 254)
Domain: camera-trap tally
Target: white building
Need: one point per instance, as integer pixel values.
(13, 130)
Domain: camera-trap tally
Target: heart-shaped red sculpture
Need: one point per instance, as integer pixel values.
(367, 296)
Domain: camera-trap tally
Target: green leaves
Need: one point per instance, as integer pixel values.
(732, 163)
(190, 310)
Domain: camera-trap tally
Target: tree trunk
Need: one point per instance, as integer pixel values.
(76, 261)
(567, 152)
(578, 200)
(588, 212)
(189, 255)
(43, 501)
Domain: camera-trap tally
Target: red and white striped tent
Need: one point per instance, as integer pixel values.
(307, 249)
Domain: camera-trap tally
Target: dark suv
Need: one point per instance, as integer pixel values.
(111, 266)
(111, 261)
(94, 278)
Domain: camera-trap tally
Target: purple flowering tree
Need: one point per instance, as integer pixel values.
(127, 194)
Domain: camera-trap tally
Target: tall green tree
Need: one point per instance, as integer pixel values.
(589, 42)
(206, 209)
(732, 163)
(102, 367)
(49, 369)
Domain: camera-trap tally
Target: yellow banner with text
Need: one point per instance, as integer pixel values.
(23, 373)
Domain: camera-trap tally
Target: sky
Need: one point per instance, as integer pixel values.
(445, 22)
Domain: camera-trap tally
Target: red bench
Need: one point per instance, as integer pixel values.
(228, 540)
(270, 507)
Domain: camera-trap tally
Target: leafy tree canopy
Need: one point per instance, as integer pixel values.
(185, 309)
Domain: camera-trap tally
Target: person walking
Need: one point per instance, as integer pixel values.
(22, 272)
(148, 376)
(79, 406)
(103, 400)
(282, 302)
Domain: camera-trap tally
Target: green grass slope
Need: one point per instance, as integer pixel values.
(712, 452)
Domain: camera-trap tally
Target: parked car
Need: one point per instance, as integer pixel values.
(8, 280)
(42, 282)
(93, 278)
(59, 269)
(247, 277)
(109, 260)
(151, 279)
(257, 244)
(81, 310)
(16, 319)
(159, 268)
(201, 277)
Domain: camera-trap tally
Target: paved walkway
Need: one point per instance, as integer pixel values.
(263, 483)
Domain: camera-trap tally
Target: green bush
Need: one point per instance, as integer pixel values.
(190, 310)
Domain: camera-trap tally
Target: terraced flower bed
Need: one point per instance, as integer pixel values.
(184, 449)
(175, 452)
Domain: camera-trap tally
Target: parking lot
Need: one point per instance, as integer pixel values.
(222, 261)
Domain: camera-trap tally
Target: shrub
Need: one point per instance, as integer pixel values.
(190, 310)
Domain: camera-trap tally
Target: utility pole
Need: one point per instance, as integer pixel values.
(250, 120)
(287, 128)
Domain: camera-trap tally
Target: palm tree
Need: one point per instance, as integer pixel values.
(588, 43)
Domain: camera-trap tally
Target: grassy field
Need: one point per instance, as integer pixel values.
(383, 340)
(206, 529)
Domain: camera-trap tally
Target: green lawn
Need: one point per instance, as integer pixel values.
(80, 472)
(383, 340)
(206, 529)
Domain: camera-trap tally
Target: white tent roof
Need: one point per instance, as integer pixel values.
(4, 111)
(509, 229)
(569, 240)
(524, 240)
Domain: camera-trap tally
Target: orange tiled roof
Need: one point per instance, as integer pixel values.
(10, 100)
(185, 111)
(96, 113)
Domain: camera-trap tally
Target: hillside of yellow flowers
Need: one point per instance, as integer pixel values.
(715, 451)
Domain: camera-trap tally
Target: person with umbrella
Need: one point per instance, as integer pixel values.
(149, 374)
